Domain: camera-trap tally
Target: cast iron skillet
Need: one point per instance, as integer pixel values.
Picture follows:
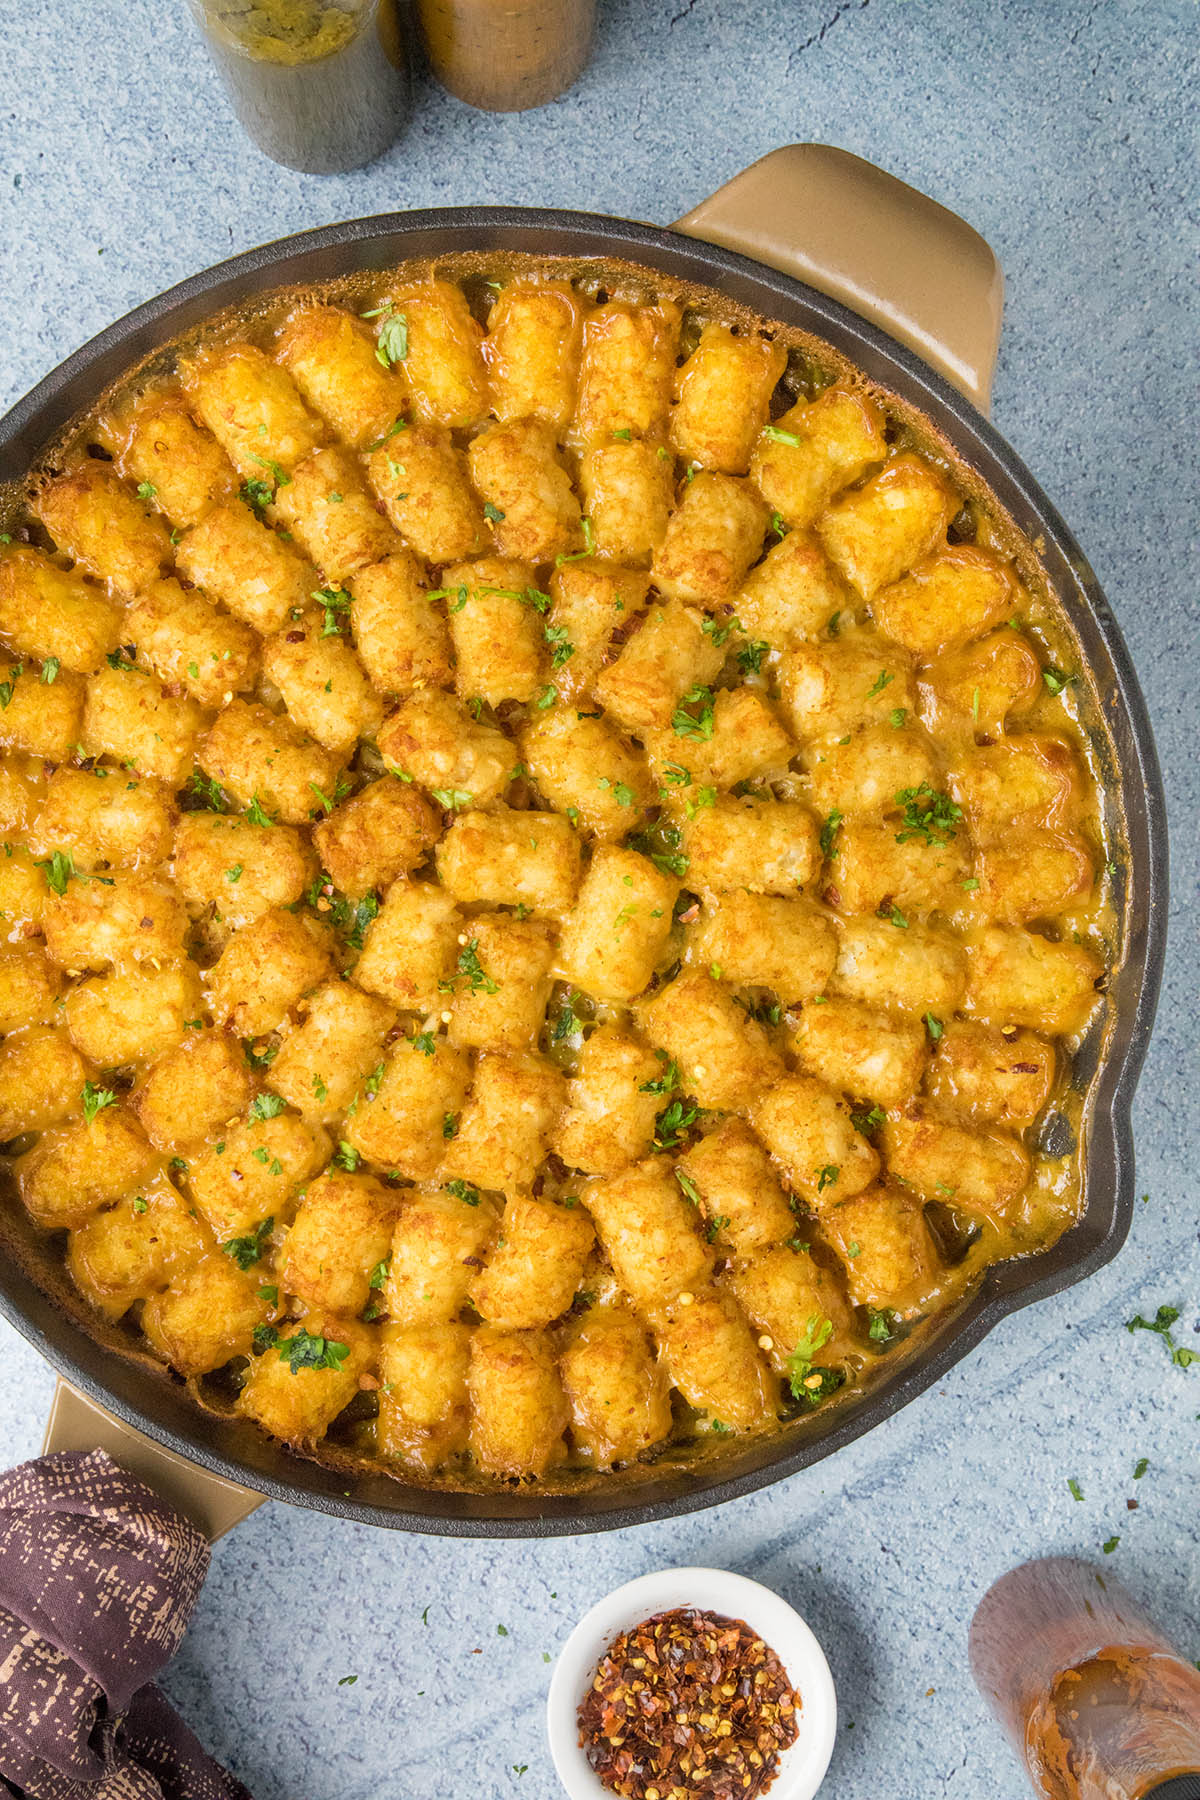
(150, 1400)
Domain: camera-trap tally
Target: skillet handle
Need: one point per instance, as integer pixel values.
(883, 249)
(209, 1501)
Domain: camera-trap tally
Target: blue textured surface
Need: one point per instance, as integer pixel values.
(1066, 133)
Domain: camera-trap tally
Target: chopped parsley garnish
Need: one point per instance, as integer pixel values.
(894, 916)
(1161, 1323)
(234, 874)
(934, 1027)
(305, 1351)
(258, 495)
(672, 1122)
(562, 649)
(697, 723)
(464, 1191)
(491, 513)
(260, 1059)
(267, 1106)
(1056, 681)
(719, 632)
(690, 1191)
(880, 1325)
(470, 966)
(449, 1125)
(897, 717)
(662, 847)
(58, 869)
(715, 1226)
(334, 601)
(50, 669)
(779, 436)
(346, 1157)
(379, 1273)
(568, 1022)
(204, 789)
(264, 1336)
(589, 544)
(826, 1176)
(116, 659)
(246, 1251)
(866, 1122)
(278, 475)
(881, 681)
(146, 490)
(546, 697)
(817, 1333)
(397, 425)
(750, 656)
(423, 1041)
(927, 814)
(320, 1091)
(256, 812)
(392, 346)
(624, 435)
(829, 833)
(95, 1099)
(667, 1082)
(453, 799)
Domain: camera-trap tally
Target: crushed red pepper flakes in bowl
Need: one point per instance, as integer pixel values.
(688, 1705)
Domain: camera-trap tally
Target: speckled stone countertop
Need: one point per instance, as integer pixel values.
(1067, 134)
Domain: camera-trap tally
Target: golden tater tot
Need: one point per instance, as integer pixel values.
(105, 525)
(432, 340)
(253, 409)
(422, 480)
(382, 832)
(497, 633)
(724, 1057)
(46, 611)
(435, 740)
(400, 635)
(131, 717)
(334, 516)
(628, 489)
(616, 1389)
(722, 394)
(532, 1274)
(534, 333)
(712, 537)
(159, 445)
(189, 644)
(324, 687)
(626, 372)
(878, 531)
(105, 818)
(254, 572)
(527, 493)
(817, 448)
(330, 355)
(518, 1408)
(265, 760)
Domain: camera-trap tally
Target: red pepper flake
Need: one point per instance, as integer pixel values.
(688, 1706)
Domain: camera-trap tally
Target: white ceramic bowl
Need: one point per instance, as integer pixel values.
(801, 1767)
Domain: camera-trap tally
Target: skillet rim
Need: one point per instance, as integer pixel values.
(118, 1383)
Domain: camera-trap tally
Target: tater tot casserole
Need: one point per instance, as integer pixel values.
(552, 876)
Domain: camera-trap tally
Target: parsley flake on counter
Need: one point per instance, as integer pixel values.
(1161, 1323)
(1074, 1488)
(1140, 1467)
(1109, 1545)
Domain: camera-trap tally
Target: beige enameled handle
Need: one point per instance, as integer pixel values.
(870, 241)
(209, 1501)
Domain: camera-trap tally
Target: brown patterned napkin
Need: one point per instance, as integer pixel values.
(98, 1578)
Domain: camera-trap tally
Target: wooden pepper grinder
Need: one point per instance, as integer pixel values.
(1095, 1700)
(507, 55)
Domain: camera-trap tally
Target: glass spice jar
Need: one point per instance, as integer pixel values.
(507, 55)
(320, 85)
(1094, 1698)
